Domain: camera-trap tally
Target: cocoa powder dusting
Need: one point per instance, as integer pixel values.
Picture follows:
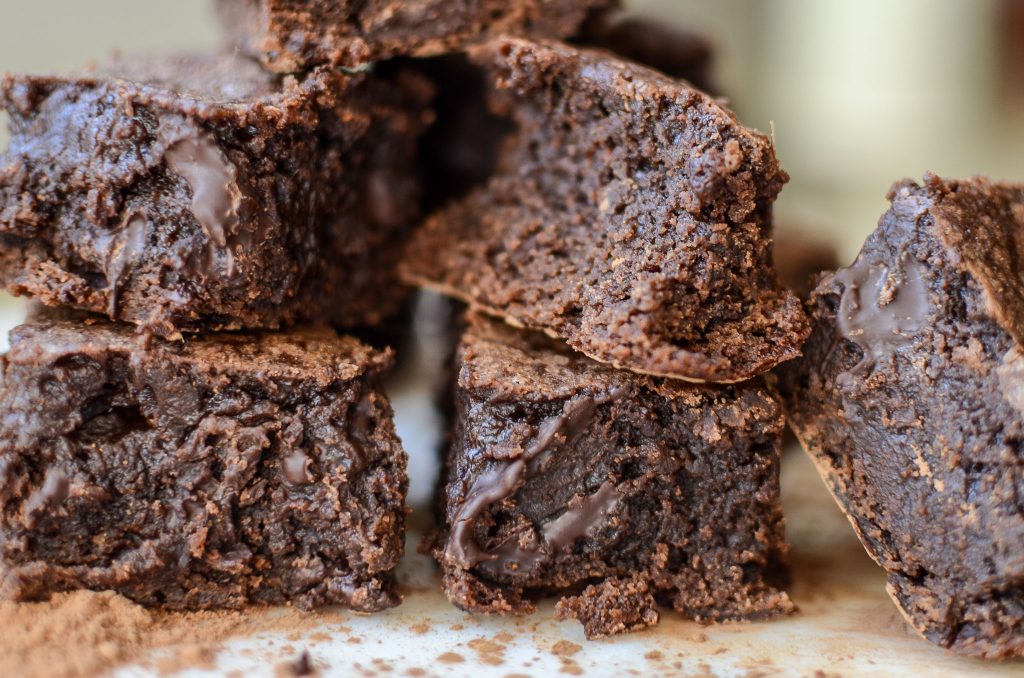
(85, 633)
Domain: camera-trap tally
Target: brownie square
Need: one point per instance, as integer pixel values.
(612, 490)
(290, 35)
(223, 471)
(200, 193)
(629, 216)
(910, 400)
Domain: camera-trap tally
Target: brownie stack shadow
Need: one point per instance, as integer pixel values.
(182, 422)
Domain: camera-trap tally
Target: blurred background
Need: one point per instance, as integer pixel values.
(859, 93)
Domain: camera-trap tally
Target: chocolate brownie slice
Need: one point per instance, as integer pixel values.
(198, 192)
(910, 399)
(630, 217)
(611, 489)
(290, 35)
(221, 471)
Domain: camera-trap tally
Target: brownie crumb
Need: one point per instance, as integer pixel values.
(612, 607)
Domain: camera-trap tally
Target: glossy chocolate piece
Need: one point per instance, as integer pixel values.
(292, 35)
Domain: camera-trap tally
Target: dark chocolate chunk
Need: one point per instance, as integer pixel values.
(564, 474)
(910, 399)
(630, 217)
(289, 36)
(219, 472)
(198, 192)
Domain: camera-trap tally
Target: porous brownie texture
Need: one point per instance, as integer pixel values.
(219, 472)
(291, 35)
(612, 490)
(630, 216)
(196, 192)
(910, 400)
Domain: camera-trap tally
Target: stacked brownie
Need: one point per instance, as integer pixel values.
(169, 433)
(144, 449)
(612, 443)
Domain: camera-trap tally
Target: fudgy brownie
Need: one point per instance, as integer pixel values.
(672, 51)
(611, 489)
(220, 471)
(461, 149)
(199, 192)
(910, 399)
(290, 35)
(630, 216)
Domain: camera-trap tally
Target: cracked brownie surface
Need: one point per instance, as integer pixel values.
(910, 399)
(629, 215)
(223, 471)
(612, 490)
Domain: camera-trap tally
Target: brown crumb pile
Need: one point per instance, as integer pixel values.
(85, 633)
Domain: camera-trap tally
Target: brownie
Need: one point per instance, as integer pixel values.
(290, 35)
(910, 400)
(195, 192)
(222, 471)
(673, 51)
(800, 256)
(612, 490)
(630, 216)
(461, 149)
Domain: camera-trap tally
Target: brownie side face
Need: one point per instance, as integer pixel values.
(909, 399)
(611, 490)
(290, 35)
(225, 471)
(630, 216)
(198, 192)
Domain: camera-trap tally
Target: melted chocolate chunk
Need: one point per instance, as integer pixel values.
(565, 473)
(500, 483)
(212, 179)
(881, 310)
(910, 399)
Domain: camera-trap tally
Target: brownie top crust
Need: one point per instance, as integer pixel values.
(310, 354)
(630, 215)
(223, 82)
